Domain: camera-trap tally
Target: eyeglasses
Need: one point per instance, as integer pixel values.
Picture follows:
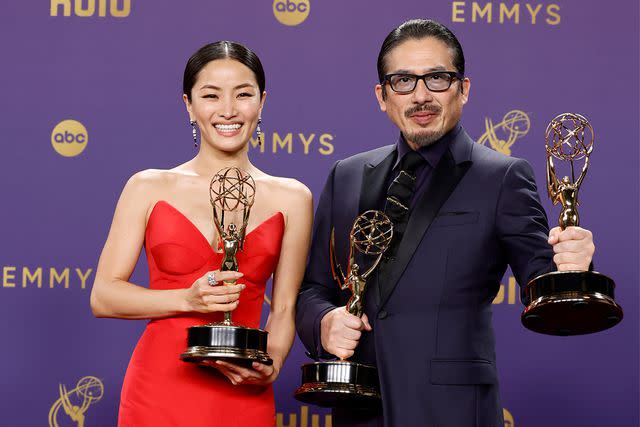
(438, 81)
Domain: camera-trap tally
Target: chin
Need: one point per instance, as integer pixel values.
(424, 138)
(228, 144)
(232, 149)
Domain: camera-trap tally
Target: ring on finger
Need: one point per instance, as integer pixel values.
(211, 279)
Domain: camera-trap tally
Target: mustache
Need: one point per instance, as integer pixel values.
(422, 108)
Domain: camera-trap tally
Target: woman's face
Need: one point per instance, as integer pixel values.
(226, 103)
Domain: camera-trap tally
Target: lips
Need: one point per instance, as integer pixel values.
(227, 129)
(423, 114)
(423, 117)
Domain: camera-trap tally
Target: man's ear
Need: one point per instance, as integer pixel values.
(465, 87)
(381, 95)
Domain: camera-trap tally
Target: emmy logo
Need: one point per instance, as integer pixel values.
(514, 125)
(75, 402)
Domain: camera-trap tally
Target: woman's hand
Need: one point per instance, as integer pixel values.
(208, 294)
(258, 374)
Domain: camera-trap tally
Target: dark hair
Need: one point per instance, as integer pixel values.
(221, 50)
(419, 29)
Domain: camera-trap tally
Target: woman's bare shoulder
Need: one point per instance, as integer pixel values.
(145, 187)
(154, 179)
(287, 186)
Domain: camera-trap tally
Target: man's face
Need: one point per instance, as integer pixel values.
(422, 116)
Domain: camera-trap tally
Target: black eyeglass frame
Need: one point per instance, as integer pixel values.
(453, 74)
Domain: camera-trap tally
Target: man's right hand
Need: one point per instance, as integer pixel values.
(340, 331)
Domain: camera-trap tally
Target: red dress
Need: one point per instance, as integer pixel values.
(161, 390)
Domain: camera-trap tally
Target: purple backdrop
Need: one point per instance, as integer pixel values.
(116, 66)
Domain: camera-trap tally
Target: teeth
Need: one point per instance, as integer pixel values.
(228, 127)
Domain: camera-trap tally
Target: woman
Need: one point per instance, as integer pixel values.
(169, 211)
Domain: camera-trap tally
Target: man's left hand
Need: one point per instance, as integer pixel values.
(573, 248)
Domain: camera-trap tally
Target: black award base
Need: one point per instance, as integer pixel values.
(232, 343)
(339, 384)
(570, 303)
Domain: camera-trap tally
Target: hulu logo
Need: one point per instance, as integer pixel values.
(304, 419)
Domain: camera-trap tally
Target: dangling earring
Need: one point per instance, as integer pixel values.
(259, 132)
(194, 133)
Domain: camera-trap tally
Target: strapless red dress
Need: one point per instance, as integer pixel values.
(161, 390)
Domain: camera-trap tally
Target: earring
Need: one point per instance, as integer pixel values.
(259, 132)
(194, 133)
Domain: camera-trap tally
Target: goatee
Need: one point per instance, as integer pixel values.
(424, 138)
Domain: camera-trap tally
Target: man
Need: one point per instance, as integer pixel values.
(462, 212)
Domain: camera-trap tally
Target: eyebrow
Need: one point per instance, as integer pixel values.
(429, 70)
(240, 86)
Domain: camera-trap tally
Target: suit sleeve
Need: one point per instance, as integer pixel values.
(522, 224)
(318, 292)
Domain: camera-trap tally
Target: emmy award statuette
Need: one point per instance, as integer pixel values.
(232, 192)
(569, 302)
(341, 382)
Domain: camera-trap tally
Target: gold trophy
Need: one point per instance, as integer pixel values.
(231, 192)
(344, 383)
(569, 302)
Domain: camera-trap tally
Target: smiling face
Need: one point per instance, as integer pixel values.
(225, 103)
(422, 116)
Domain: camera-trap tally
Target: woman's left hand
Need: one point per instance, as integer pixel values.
(258, 374)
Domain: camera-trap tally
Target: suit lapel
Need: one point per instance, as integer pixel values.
(366, 182)
(374, 180)
(452, 167)
(372, 193)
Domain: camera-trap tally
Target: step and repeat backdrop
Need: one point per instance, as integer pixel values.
(91, 93)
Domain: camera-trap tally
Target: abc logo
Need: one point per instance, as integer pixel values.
(69, 138)
(508, 418)
(291, 12)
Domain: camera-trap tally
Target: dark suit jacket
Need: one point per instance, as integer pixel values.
(432, 337)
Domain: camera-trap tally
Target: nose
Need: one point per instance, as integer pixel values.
(227, 108)
(421, 94)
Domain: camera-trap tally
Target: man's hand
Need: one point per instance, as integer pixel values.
(340, 331)
(573, 248)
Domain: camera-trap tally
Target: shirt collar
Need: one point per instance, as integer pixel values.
(432, 153)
